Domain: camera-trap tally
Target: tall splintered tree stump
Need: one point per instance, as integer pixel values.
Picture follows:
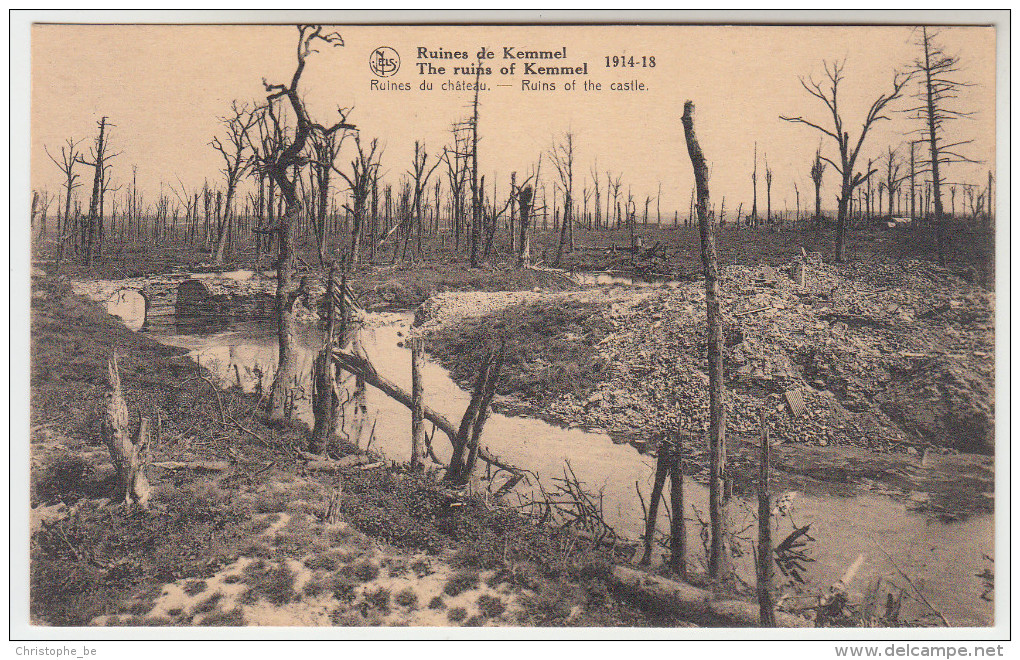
(668, 465)
(678, 526)
(325, 399)
(417, 416)
(465, 444)
(717, 561)
(525, 198)
(766, 608)
(130, 458)
(661, 472)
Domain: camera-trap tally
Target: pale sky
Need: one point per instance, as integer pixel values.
(164, 87)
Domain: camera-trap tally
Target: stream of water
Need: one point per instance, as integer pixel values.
(942, 559)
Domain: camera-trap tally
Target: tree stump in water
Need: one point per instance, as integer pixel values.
(130, 458)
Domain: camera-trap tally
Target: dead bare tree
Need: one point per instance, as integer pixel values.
(41, 201)
(465, 446)
(324, 151)
(562, 155)
(417, 396)
(189, 203)
(849, 149)
(364, 173)
(340, 319)
(266, 140)
(817, 170)
(236, 163)
(893, 178)
(614, 192)
(524, 196)
(796, 191)
(456, 158)
(717, 561)
(938, 90)
(420, 175)
(658, 206)
(476, 190)
(754, 188)
(69, 157)
(493, 212)
(92, 237)
(280, 166)
(768, 191)
(586, 193)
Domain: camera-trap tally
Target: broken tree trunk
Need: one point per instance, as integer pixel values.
(692, 603)
(287, 292)
(661, 471)
(325, 398)
(417, 420)
(360, 366)
(678, 526)
(524, 201)
(717, 563)
(470, 432)
(130, 458)
(483, 412)
(766, 608)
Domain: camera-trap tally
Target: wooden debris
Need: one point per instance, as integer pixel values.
(198, 466)
(347, 461)
(795, 400)
(694, 603)
(753, 311)
(938, 309)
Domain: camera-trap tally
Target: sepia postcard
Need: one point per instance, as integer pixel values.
(406, 325)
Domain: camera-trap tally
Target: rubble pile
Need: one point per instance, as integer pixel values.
(890, 356)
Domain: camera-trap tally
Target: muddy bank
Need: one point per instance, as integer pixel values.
(895, 361)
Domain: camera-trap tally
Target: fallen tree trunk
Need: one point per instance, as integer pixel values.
(346, 461)
(198, 466)
(361, 367)
(695, 604)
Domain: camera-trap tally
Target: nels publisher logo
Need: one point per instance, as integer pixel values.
(384, 61)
